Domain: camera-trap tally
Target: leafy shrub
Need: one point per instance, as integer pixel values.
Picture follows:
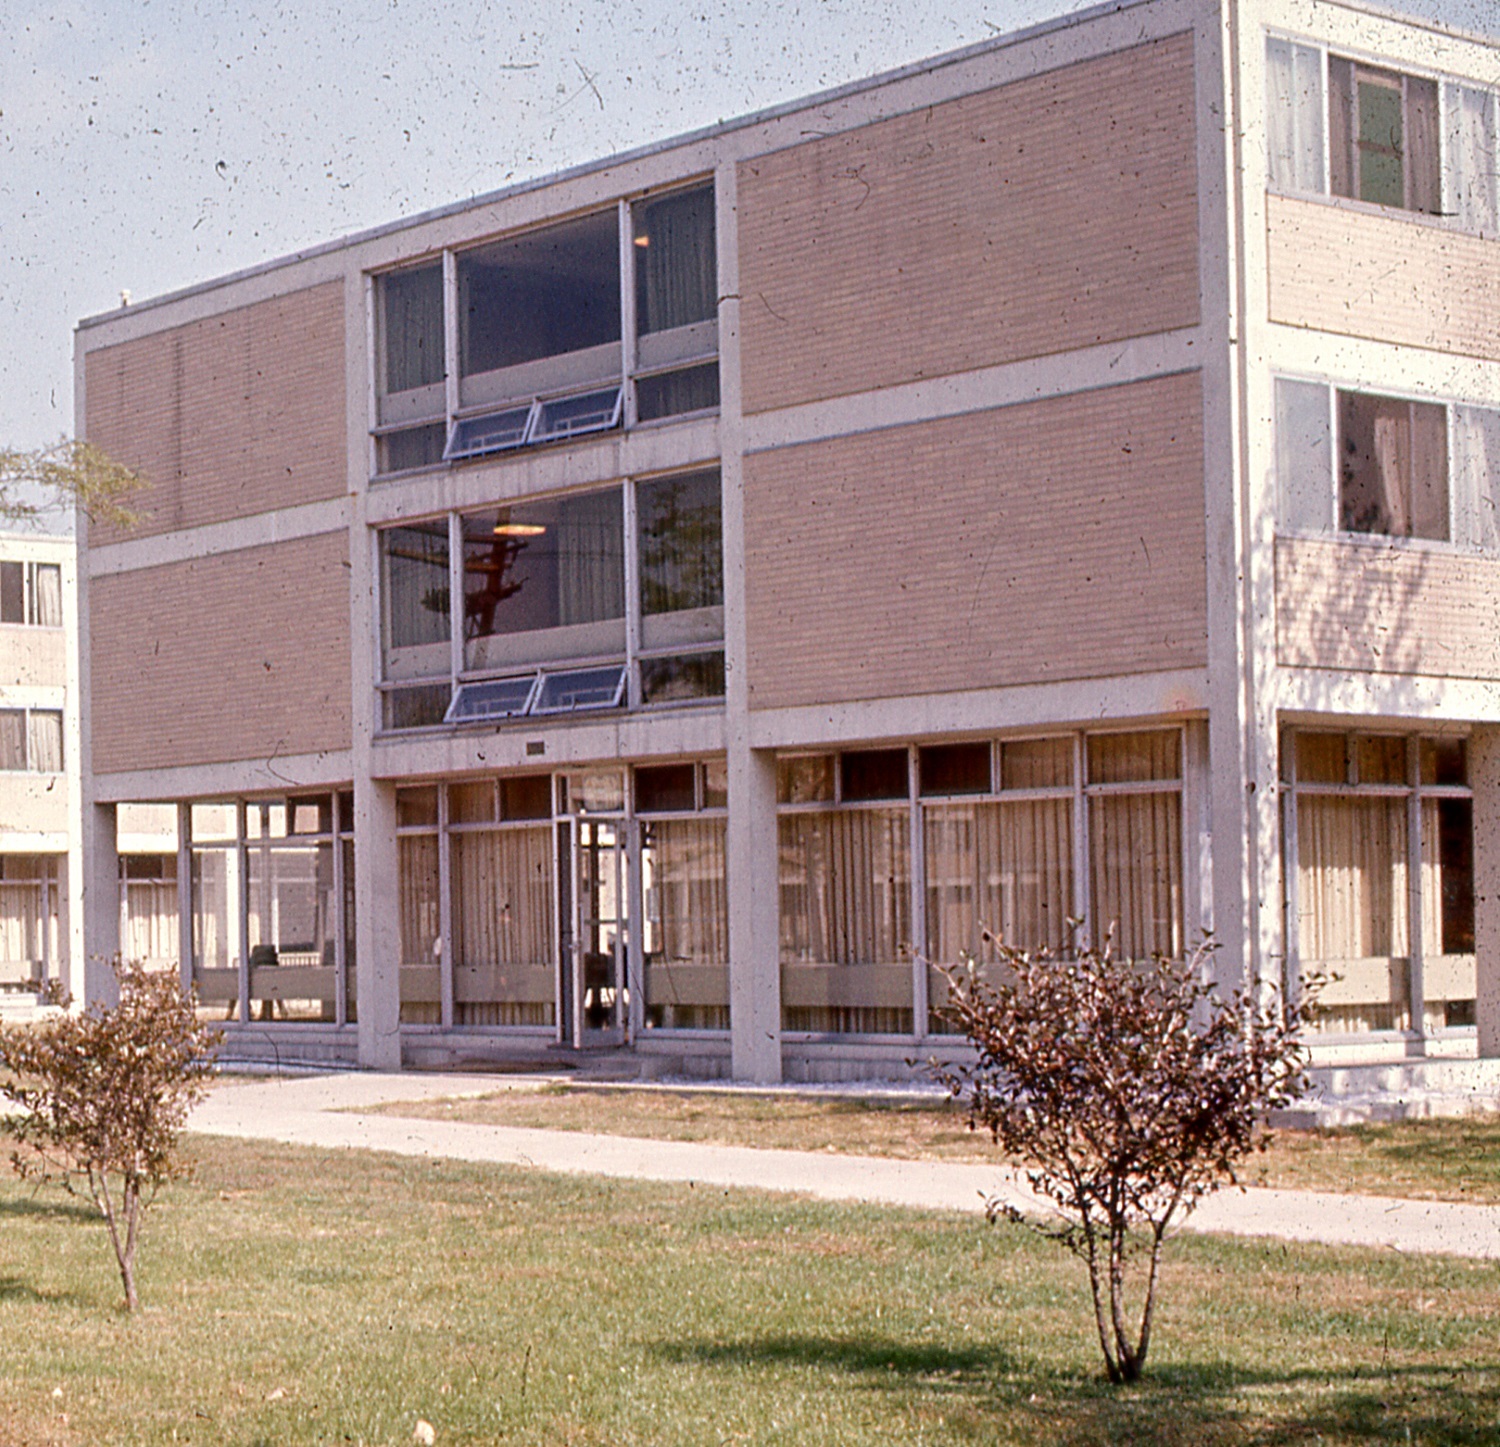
(1126, 1092)
(103, 1095)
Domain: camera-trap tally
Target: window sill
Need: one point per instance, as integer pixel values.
(1434, 221)
(1386, 542)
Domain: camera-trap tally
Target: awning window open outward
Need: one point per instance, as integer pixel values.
(567, 690)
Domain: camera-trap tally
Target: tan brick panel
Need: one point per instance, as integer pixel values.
(1052, 213)
(1061, 539)
(242, 655)
(1386, 278)
(233, 415)
(1392, 609)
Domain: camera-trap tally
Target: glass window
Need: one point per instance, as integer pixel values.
(1294, 91)
(676, 280)
(417, 808)
(12, 738)
(1134, 758)
(1393, 466)
(873, 774)
(414, 561)
(47, 604)
(12, 592)
(682, 679)
(805, 779)
(421, 998)
(545, 293)
(1036, 764)
(528, 796)
(540, 568)
(411, 304)
(1304, 455)
(670, 394)
(665, 788)
(685, 934)
(680, 536)
(45, 741)
(1383, 136)
(954, 768)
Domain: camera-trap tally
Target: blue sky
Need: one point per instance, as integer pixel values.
(148, 146)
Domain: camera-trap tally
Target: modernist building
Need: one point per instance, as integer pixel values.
(663, 605)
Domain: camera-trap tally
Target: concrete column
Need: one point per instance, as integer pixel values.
(377, 924)
(1484, 779)
(754, 921)
(96, 897)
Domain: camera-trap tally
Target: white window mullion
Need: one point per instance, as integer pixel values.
(1082, 885)
(445, 911)
(918, 902)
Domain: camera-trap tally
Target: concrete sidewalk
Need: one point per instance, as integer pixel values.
(325, 1110)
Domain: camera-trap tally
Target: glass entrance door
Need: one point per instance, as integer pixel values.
(602, 1006)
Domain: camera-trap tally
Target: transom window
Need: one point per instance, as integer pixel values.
(558, 332)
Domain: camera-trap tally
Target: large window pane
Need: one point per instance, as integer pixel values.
(1294, 91)
(503, 915)
(1135, 872)
(1393, 466)
(421, 930)
(48, 609)
(685, 934)
(1003, 868)
(845, 921)
(45, 741)
(681, 545)
(1448, 966)
(148, 896)
(292, 921)
(675, 275)
(28, 919)
(216, 887)
(12, 738)
(1352, 924)
(1304, 456)
(540, 295)
(414, 586)
(545, 581)
(412, 310)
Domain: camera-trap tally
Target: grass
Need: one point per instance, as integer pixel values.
(300, 1296)
(1456, 1160)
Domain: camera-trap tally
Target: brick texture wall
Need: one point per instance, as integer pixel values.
(1374, 609)
(233, 415)
(1052, 213)
(1388, 278)
(237, 656)
(1060, 539)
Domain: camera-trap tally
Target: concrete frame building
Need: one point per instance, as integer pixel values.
(661, 606)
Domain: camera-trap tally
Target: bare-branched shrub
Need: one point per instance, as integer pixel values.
(1125, 1092)
(103, 1096)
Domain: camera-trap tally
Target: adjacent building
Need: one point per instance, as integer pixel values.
(665, 605)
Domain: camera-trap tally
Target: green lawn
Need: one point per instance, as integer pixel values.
(1455, 1160)
(298, 1296)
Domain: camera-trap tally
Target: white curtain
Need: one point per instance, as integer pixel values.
(46, 742)
(21, 925)
(151, 920)
(49, 595)
(1005, 867)
(1476, 477)
(1469, 191)
(1304, 456)
(591, 558)
(845, 886)
(1294, 116)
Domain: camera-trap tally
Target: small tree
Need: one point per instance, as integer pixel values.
(76, 472)
(1126, 1092)
(103, 1096)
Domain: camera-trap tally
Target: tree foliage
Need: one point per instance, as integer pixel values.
(1126, 1092)
(103, 1096)
(76, 472)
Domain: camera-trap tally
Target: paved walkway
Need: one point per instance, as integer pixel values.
(325, 1110)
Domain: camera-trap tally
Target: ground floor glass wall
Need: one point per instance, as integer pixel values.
(934, 853)
(272, 909)
(1380, 879)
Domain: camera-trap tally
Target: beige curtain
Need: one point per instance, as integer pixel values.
(417, 862)
(1351, 878)
(502, 897)
(1007, 867)
(45, 742)
(49, 595)
(1135, 872)
(845, 886)
(691, 911)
